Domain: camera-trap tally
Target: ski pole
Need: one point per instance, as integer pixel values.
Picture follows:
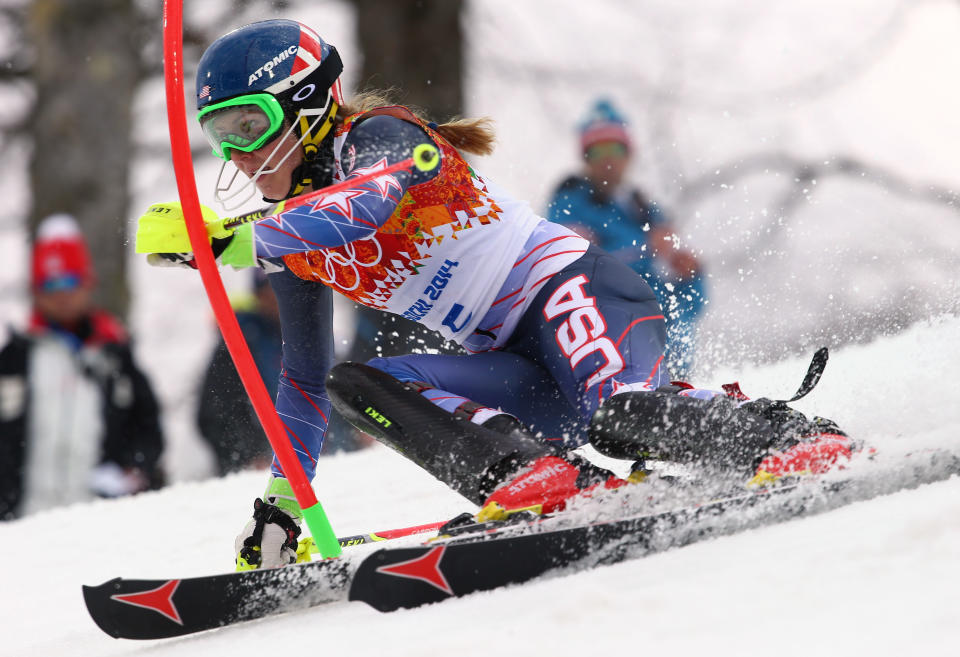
(465, 523)
(313, 513)
(425, 158)
(307, 544)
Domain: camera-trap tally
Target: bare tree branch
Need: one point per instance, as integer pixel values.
(804, 171)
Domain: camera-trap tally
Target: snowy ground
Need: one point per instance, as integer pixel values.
(876, 578)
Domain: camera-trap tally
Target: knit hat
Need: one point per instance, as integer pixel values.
(603, 123)
(61, 260)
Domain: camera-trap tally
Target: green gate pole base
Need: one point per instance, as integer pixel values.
(322, 532)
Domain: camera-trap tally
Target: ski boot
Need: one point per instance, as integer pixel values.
(269, 540)
(548, 483)
(801, 446)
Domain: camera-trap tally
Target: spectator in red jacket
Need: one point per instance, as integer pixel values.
(78, 418)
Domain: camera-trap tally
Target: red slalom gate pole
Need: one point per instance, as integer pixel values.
(314, 516)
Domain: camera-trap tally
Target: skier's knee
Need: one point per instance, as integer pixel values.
(401, 368)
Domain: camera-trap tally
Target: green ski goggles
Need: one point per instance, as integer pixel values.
(245, 123)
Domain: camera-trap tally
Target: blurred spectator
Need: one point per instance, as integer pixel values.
(78, 419)
(621, 220)
(225, 416)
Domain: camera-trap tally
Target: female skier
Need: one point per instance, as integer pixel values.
(564, 341)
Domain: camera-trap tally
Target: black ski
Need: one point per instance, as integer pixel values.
(480, 558)
(157, 609)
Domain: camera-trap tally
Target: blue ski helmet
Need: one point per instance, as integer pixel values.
(282, 58)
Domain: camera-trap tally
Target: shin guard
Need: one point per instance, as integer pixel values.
(465, 456)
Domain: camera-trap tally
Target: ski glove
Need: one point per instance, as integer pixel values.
(269, 539)
(162, 233)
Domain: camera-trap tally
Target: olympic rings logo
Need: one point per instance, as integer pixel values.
(345, 258)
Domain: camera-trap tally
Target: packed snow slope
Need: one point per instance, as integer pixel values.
(874, 578)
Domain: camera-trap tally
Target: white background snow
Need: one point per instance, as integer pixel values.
(706, 85)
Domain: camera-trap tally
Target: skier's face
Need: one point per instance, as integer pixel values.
(276, 183)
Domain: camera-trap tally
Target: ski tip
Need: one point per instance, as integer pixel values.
(96, 597)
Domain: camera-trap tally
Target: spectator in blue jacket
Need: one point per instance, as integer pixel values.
(225, 417)
(621, 220)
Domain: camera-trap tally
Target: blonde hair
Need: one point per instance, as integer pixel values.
(470, 135)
